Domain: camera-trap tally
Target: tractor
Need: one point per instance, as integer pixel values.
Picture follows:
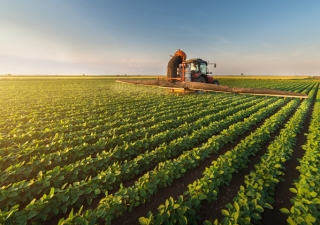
(193, 70)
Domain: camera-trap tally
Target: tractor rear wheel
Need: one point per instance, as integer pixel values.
(201, 79)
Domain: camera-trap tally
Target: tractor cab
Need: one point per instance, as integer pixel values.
(199, 71)
(197, 66)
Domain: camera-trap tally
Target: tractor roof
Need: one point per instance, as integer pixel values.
(195, 59)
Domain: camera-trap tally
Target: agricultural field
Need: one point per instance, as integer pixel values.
(93, 151)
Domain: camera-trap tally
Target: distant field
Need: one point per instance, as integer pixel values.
(149, 76)
(88, 150)
(13, 77)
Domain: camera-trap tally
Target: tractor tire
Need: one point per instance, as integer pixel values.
(201, 79)
(216, 82)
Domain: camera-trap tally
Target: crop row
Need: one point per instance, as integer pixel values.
(88, 136)
(306, 202)
(67, 112)
(260, 184)
(163, 175)
(115, 173)
(68, 133)
(89, 166)
(108, 147)
(106, 168)
(272, 84)
(184, 209)
(95, 117)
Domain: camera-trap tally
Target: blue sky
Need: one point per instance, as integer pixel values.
(95, 37)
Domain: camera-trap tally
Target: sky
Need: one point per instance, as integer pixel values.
(116, 37)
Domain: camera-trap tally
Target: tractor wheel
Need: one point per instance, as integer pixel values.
(201, 79)
(216, 82)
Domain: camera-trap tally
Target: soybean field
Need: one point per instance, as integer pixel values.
(88, 150)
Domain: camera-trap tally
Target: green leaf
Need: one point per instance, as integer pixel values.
(13, 194)
(267, 205)
(61, 221)
(270, 200)
(63, 186)
(46, 183)
(158, 220)
(256, 216)
(97, 191)
(32, 213)
(71, 214)
(225, 213)
(293, 190)
(250, 193)
(22, 219)
(144, 221)
(212, 185)
(229, 206)
(80, 220)
(310, 219)
(183, 220)
(65, 198)
(236, 206)
(207, 222)
(285, 211)
(143, 193)
(175, 206)
(52, 191)
(202, 196)
(259, 208)
(171, 201)
(300, 220)
(88, 190)
(313, 194)
(166, 203)
(291, 221)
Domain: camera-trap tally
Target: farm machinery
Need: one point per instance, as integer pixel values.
(192, 70)
(192, 75)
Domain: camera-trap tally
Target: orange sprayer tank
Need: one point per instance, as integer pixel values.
(173, 65)
(181, 53)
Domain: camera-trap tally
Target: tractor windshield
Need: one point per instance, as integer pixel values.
(203, 68)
